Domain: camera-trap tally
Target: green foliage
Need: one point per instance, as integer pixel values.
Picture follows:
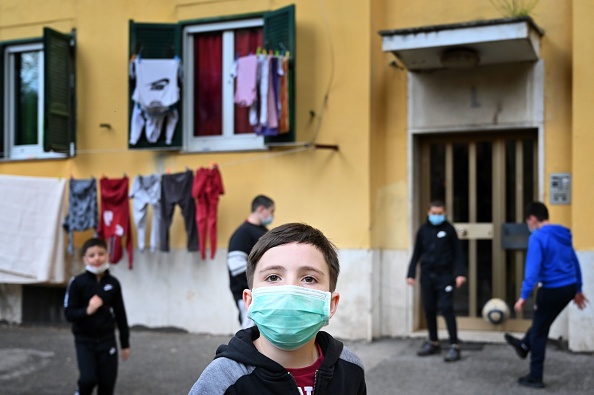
(514, 8)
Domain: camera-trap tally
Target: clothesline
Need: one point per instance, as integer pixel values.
(303, 147)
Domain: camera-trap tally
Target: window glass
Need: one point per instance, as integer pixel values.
(212, 120)
(208, 84)
(27, 99)
(209, 93)
(247, 42)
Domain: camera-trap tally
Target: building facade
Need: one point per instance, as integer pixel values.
(390, 104)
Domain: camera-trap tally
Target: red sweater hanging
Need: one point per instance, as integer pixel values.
(114, 222)
(208, 185)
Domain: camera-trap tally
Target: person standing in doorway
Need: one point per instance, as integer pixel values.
(552, 262)
(442, 270)
(241, 243)
(94, 305)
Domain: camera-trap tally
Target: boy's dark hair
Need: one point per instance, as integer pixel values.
(261, 200)
(538, 209)
(437, 203)
(94, 242)
(295, 233)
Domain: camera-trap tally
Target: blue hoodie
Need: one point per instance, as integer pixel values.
(551, 260)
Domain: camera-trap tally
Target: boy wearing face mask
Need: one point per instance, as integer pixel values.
(442, 269)
(93, 304)
(241, 243)
(292, 273)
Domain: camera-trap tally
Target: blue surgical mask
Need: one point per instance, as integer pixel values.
(289, 316)
(437, 219)
(268, 220)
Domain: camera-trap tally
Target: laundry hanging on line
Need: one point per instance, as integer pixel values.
(262, 84)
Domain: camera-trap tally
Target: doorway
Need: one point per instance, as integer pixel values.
(485, 180)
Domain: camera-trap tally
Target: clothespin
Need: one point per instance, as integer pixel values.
(270, 52)
(287, 54)
(277, 53)
(258, 51)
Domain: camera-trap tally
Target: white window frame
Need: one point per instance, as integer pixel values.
(29, 151)
(228, 141)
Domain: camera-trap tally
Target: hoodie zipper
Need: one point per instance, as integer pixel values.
(314, 384)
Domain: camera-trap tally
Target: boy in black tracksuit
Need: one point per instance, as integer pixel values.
(442, 269)
(94, 305)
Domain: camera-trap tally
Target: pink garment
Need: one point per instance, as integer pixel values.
(207, 187)
(245, 91)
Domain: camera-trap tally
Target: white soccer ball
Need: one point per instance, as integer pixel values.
(495, 311)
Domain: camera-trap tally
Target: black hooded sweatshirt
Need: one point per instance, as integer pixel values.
(440, 251)
(239, 368)
(100, 325)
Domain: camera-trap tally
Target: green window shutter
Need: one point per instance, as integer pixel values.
(155, 41)
(2, 93)
(59, 92)
(279, 34)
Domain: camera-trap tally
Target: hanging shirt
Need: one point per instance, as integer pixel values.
(82, 208)
(156, 84)
(114, 223)
(146, 191)
(246, 74)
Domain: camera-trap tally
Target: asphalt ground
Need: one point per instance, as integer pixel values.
(41, 360)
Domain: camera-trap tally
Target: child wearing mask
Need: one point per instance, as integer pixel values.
(94, 305)
(292, 273)
(442, 270)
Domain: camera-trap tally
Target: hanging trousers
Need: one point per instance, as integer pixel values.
(549, 304)
(177, 189)
(208, 186)
(437, 290)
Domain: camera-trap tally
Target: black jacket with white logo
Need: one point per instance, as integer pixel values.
(239, 368)
(439, 250)
(101, 324)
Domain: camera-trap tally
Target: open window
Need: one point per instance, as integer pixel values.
(209, 119)
(37, 105)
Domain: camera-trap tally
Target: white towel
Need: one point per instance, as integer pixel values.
(31, 235)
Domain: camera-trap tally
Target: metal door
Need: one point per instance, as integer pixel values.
(485, 180)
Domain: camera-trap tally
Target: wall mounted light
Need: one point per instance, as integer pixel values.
(459, 58)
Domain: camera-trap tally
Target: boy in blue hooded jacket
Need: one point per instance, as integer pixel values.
(552, 262)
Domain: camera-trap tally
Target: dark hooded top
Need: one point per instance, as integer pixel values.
(439, 250)
(100, 325)
(551, 260)
(239, 368)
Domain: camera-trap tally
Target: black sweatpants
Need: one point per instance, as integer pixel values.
(177, 189)
(437, 291)
(549, 304)
(97, 365)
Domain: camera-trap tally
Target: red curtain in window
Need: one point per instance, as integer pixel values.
(208, 84)
(247, 42)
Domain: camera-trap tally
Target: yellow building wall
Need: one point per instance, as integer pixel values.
(328, 189)
(391, 203)
(583, 121)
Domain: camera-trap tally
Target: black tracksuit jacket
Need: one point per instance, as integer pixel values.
(239, 368)
(100, 325)
(439, 250)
